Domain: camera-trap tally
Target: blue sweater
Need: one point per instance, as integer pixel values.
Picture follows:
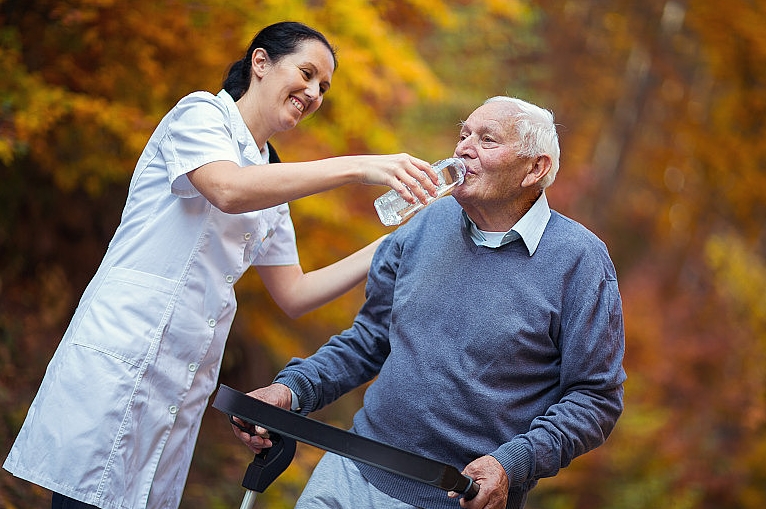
(478, 351)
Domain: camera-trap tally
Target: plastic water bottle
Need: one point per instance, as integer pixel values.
(393, 209)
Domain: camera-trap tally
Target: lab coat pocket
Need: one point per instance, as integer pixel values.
(125, 316)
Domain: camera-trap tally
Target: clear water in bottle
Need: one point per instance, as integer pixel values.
(393, 209)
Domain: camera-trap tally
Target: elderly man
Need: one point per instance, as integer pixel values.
(492, 327)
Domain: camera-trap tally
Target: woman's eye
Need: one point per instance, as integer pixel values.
(306, 73)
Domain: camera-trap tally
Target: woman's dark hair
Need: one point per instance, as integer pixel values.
(279, 40)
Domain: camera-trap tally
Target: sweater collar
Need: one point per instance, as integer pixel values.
(529, 228)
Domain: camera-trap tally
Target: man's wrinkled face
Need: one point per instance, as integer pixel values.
(489, 146)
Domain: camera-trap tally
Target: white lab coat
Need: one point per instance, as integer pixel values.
(118, 411)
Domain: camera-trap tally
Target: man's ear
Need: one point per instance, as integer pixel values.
(540, 168)
(260, 62)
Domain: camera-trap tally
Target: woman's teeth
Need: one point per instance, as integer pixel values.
(297, 104)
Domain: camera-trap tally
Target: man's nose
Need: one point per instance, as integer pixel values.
(464, 147)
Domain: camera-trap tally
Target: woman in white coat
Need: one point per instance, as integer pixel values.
(118, 412)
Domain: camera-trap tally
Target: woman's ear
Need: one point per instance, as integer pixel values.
(260, 62)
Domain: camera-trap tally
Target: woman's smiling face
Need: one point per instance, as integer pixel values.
(296, 83)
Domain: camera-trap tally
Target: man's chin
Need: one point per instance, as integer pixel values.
(460, 194)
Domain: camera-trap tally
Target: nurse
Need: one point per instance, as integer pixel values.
(118, 412)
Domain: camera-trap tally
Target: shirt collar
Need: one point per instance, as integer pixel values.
(242, 134)
(529, 228)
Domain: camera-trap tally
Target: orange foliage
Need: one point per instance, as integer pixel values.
(661, 108)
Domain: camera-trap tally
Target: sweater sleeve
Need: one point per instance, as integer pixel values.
(591, 342)
(356, 355)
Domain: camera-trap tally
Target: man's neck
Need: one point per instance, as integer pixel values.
(496, 217)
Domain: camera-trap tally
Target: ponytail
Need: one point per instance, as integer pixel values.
(238, 79)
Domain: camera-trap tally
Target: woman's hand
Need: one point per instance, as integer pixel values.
(412, 178)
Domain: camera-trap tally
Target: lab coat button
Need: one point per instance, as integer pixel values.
(211, 322)
(173, 409)
(229, 278)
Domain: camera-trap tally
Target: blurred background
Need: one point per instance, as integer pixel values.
(661, 111)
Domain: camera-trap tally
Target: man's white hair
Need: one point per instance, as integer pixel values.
(536, 131)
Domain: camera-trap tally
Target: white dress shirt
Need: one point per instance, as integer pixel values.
(118, 411)
(529, 228)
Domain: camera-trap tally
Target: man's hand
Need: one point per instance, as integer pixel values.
(256, 437)
(490, 475)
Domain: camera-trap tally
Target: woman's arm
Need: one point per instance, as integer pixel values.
(297, 292)
(234, 189)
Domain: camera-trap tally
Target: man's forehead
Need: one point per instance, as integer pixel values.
(495, 116)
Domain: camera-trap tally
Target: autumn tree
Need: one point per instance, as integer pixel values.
(660, 111)
(662, 104)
